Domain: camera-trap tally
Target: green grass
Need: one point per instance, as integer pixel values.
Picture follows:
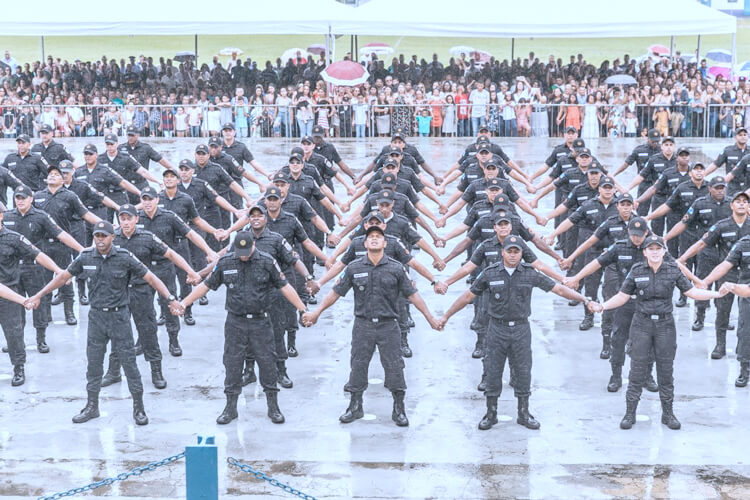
(263, 47)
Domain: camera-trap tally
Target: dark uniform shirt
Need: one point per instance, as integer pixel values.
(485, 228)
(325, 168)
(328, 151)
(229, 164)
(623, 254)
(398, 226)
(579, 195)
(655, 166)
(705, 212)
(276, 246)
(31, 169)
(182, 204)
(739, 173)
(739, 257)
(478, 209)
(145, 245)
(490, 251)
(63, 206)
(287, 226)
(204, 197)
(668, 181)
(377, 288)
(641, 154)
(297, 206)
(54, 153)
(36, 225)
(104, 180)
(309, 170)
(684, 195)
(306, 187)
(143, 153)
(215, 175)
(402, 186)
(510, 294)
(125, 165)
(559, 152)
(591, 214)
(401, 206)
(90, 197)
(238, 150)
(249, 284)
(612, 229)
(406, 173)
(7, 180)
(724, 234)
(478, 190)
(393, 249)
(472, 149)
(730, 156)
(108, 275)
(653, 290)
(14, 248)
(166, 225)
(474, 172)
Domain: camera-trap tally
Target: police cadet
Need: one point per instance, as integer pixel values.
(42, 231)
(701, 215)
(509, 283)
(105, 180)
(53, 152)
(378, 282)
(328, 150)
(398, 140)
(7, 180)
(147, 247)
(250, 276)
(120, 160)
(66, 209)
(731, 155)
(652, 283)
(15, 251)
(640, 156)
(109, 270)
(649, 174)
(181, 203)
(722, 235)
(238, 150)
(29, 168)
(558, 152)
(327, 169)
(143, 153)
(169, 228)
(568, 172)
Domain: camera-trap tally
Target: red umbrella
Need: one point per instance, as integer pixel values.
(481, 56)
(719, 71)
(661, 50)
(316, 49)
(345, 73)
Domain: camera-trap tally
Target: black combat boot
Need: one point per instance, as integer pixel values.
(405, 349)
(354, 411)
(156, 376)
(524, 417)
(606, 346)
(490, 418)
(203, 301)
(682, 302)
(721, 345)
(478, 347)
(113, 375)
(230, 410)
(651, 385)
(19, 376)
(56, 299)
(284, 380)
(82, 297)
(139, 413)
(91, 410)
(667, 415)
(700, 316)
(248, 374)
(41, 341)
(628, 421)
(291, 339)
(615, 381)
(272, 400)
(588, 321)
(188, 317)
(174, 346)
(744, 374)
(70, 317)
(399, 412)
(483, 383)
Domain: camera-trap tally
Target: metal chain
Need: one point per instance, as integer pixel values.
(260, 475)
(120, 477)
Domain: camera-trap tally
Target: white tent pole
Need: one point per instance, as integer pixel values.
(196, 51)
(734, 56)
(671, 47)
(698, 51)
(512, 49)
(41, 46)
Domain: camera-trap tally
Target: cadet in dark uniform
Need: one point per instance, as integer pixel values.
(110, 270)
(731, 155)
(509, 284)
(238, 150)
(398, 140)
(53, 152)
(558, 152)
(65, 208)
(7, 180)
(29, 168)
(41, 230)
(378, 282)
(143, 153)
(640, 156)
(250, 276)
(147, 247)
(328, 150)
(119, 160)
(15, 251)
(652, 283)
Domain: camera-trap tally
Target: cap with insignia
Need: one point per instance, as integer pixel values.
(697, 164)
(110, 139)
(571, 130)
(214, 142)
(494, 183)
(273, 192)
(149, 192)
(625, 197)
(280, 177)
(375, 215)
(258, 208)
(717, 181)
(318, 131)
(385, 196)
(607, 181)
(502, 216)
(653, 134)
(373, 229)
(637, 226)
(491, 163)
(389, 180)
(65, 166)
(169, 171)
(201, 149)
(89, 149)
(228, 126)
(666, 139)
(132, 130)
(306, 138)
(579, 143)
(740, 193)
(23, 138)
(127, 208)
(653, 240)
(22, 191)
(103, 227)
(390, 163)
(394, 151)
(46, 129)
(683, 149)
(584, 151)
(243, 244)
(186, 164)
(398, 133)
(297, 157)
(512, 242)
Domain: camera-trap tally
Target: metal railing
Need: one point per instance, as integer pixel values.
(688, 119)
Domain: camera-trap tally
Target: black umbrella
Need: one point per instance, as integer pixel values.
(184, 56)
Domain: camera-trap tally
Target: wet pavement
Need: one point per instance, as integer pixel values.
(579, 451)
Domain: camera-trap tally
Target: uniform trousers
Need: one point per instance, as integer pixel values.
(240, 334)
(368, 334)
(649, 333)
(511, 341)
(105, 326)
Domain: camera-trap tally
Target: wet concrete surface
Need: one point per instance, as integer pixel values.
(579, 452)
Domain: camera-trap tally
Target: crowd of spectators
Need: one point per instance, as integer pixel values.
(523, 97)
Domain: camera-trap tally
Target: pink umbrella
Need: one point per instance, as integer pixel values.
(718, 70)
(316, 49)
(481, 56)
(661, 50)
(345, 73)
(376, 48)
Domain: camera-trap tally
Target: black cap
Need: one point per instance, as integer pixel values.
(390, 163)
(483, 128)
(280, 177)
(298, 150)
(186, 164)
(584, 151)
(501, 201)
(717, 181)
(653, 134)
(740, 193)
(667, 138)
(483, 146)
(272, 192)
(741, 129)
(110, 139)
(103, 227)
(295, 156)
(697, 164)
(65, 166)
(132, 130)
(373, 229)
(683, 149)
(389, 180)
(22, 191)
(46, 129)
(571, 129)
(228, 126)
(386, 195)
(306, 138)
(375, 215)
(398, 133)
(637, 226)
(149, 192)
(606, 181)
(512, 242)
(201, 148)
(594, 169)
(243, 244)
(625, 197)
(579, 143)
(318, 131)
(502, 215)
(653, 240)
(494, 183)
(23, 138)
(393, 150)
(169, 171)
(89, 149)
(127, 208)
(214, 141)
(261, 208)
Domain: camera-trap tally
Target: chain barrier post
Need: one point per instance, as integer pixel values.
(202, 470)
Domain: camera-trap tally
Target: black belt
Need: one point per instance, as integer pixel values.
(656, 317)
(375, 320)
(109, 309)
(259, 315)
(513, 322)
(27, 262)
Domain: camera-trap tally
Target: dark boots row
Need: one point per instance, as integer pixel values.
(524, 417)
(355, 410)
(230, 410)
(667, 415)
(91, 410)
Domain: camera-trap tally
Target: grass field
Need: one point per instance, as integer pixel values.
(263, 47)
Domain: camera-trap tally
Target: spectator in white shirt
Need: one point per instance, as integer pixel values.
(479, 99)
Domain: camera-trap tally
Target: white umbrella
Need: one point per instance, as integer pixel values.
(293, 54)
(481, 56)
(620, 80)
(228, 51)
(376, 48)
(462, 49)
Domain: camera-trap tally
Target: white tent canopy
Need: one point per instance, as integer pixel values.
(474, 18)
